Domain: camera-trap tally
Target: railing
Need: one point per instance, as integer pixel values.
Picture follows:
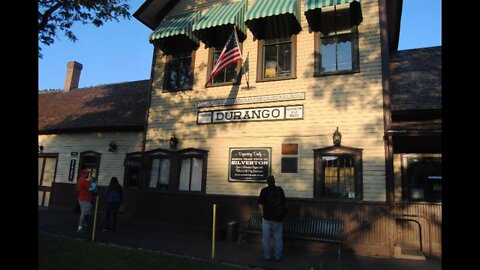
(397, 216)
(404, 217)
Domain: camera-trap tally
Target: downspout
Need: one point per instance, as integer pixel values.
(145, 128)
(387, 113)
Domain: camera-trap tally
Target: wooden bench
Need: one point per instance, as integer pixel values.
(305, 228)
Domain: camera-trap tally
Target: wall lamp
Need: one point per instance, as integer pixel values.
(112, 146)
(173, 142)
(337, 138)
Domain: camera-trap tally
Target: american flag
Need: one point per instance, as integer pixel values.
(230, 54)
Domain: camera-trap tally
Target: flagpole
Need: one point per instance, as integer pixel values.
(248, 72)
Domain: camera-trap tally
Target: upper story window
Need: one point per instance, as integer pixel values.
(337, 46)
(338, 173)
(229, 75)
(179, 72)
(278, 58)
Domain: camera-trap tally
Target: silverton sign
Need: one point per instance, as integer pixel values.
(251, 114)
(249, 164)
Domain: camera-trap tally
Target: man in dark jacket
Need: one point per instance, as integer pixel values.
(272, 207)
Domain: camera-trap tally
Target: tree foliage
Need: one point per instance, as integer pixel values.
(56, 16)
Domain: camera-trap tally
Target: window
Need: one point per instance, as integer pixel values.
(289, 158)
(229, 75)
(422, 177)
(133, 164)
(90, 160)
(337, 47)
(160, 173)
(278, 58)
(339, 177)
(179, 72)
(191, 174)
(182, 170)
(47, 165)
(338, 173)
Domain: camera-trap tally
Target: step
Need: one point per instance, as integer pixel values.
(408, 253)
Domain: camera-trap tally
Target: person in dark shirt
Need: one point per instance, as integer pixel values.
(272, 207)
(113, 200)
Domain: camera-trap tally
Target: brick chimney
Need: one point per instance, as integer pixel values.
(73, 75)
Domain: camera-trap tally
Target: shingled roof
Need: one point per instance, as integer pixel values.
(111, 107)
(416, 79)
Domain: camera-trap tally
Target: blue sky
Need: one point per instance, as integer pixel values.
(120, 51)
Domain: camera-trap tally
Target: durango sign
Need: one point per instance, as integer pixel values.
(251, 114)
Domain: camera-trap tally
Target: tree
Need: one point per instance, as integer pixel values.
(59, 15)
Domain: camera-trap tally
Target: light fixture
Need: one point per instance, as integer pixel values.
(173, 142)
(112, 146)
(40, 148)
(337, 138)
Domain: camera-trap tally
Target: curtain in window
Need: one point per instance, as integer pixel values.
(197, 172)
(184, 182)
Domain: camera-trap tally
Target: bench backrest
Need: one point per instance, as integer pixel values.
(255, 222)
(328, 230)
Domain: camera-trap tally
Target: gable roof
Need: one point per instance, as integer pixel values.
(416, 79)
(110, 107)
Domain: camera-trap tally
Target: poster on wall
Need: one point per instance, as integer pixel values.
(71, 170)
(249, 164)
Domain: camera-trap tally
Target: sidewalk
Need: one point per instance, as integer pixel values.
(181, 241)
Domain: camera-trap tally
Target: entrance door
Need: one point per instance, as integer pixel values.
(47, 164)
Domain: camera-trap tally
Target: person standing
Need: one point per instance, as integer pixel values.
(84, 199)
(113, 200)
(271, 202)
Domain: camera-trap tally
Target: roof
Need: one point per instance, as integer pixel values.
(120, 106)
(416, 79)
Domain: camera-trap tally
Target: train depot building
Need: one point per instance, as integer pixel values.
(322, 99)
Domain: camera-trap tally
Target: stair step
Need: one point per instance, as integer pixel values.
(408, 253)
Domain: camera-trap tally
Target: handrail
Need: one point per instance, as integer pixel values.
(375, 218)
(428, 227)
(389, 211)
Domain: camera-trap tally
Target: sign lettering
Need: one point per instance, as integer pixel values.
(252, 114)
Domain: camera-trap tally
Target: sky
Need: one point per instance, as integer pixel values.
(120, 51)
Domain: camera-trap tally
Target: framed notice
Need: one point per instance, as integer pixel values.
(249, 164)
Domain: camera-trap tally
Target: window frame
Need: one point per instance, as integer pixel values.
(210, 64)
(131, 157)
(406, 185)
(166, 71)
(319, 177)
(176, 158)
(353, 32)
(290, 151)
(82, 165)
(261, 59)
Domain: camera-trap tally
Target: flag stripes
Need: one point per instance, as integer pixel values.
(230, 54)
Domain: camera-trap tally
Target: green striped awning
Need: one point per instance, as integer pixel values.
(313, 12)
(216, 25)
(174, 34)
(272, 19)
(314, 4)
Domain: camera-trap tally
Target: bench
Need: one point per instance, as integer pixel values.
(305, 228)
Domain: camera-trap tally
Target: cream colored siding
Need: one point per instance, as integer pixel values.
(353, 102)
(111, 163)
